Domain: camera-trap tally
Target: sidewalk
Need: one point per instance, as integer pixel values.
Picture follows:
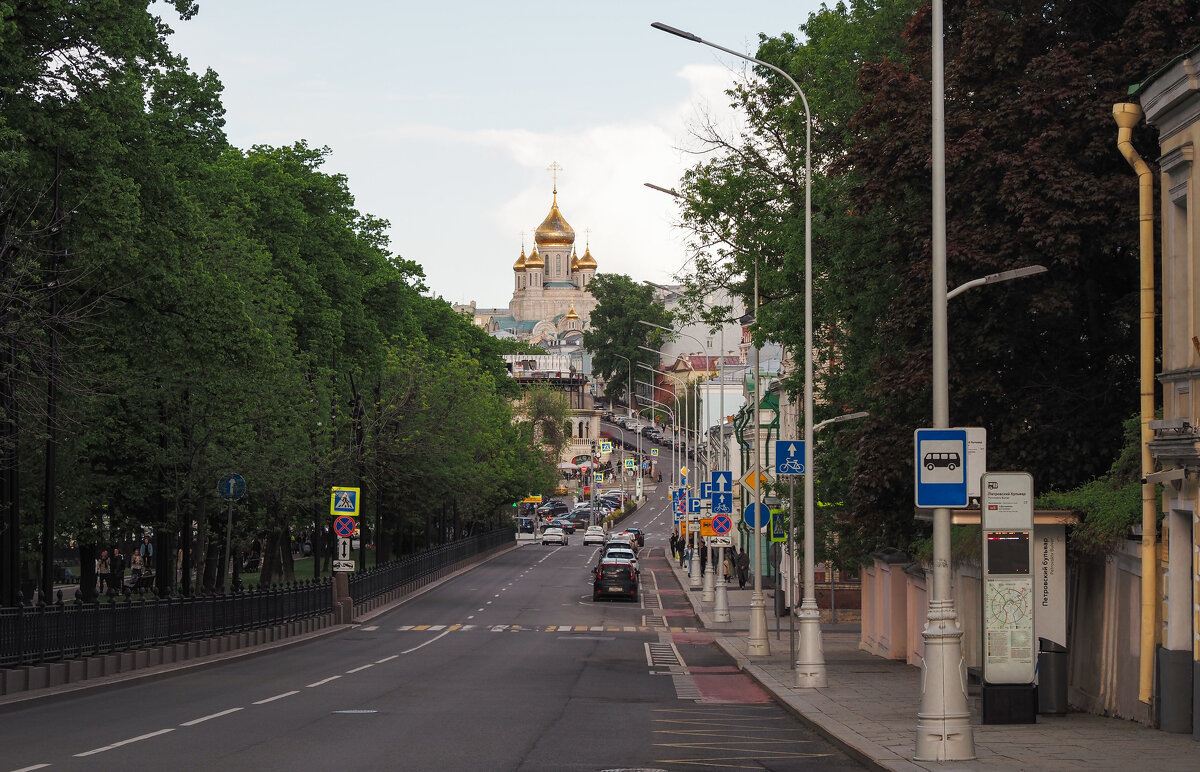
(870, 707)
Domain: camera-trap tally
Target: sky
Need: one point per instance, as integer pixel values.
(445, 116)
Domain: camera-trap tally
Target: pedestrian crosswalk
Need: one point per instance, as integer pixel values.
(546, 628)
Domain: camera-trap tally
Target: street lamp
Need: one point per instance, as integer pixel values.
(993, 278)
(675, 451)
(629, 402)
(669, 412)
(812, 674)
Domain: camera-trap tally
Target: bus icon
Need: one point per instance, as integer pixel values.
(950, 461)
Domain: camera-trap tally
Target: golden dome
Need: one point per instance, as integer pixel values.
(554, 229)
(571, 315)
(587, 262)
(574, 261)
(519, 266)
(534, 260)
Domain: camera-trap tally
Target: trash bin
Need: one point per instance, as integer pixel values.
(1052, 678)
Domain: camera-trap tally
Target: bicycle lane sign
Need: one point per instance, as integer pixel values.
(789, 457)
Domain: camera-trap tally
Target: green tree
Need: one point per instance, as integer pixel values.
(616, 332)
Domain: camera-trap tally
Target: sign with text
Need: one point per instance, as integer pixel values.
(1010, 654)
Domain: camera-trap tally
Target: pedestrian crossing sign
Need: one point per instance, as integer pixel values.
(344, 501)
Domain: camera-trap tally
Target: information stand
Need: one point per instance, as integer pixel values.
(1009, 694)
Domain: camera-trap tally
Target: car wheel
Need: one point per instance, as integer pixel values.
(595, 596)
(634, 597)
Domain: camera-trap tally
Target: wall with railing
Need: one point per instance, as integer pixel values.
(74, 630)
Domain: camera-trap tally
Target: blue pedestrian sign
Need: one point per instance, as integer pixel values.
(722, 503)
(940, 467)
(789, 457)
(693, 506)
(756, 515)
(344, 501)
(722, 480)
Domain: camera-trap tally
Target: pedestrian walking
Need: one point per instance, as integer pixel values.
(687, 558)
(674, 538)
(103, 564)
(116, 570)
(743, 569)
(727, 567)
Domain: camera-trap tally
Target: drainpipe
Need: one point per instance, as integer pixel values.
(1127, 116)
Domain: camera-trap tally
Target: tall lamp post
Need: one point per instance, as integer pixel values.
(662, 406)
(813, 674)
(637, 470)
(676, 457)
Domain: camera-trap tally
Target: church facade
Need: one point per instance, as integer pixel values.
(551, 303)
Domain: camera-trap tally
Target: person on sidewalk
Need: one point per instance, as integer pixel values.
(727, 567)
(687, 558)
(102, 571)
(743, 569)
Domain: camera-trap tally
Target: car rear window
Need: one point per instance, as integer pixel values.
(616, 571)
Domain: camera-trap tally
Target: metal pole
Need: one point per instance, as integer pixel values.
(721, 600)
(228, 538)
(943, 720)
(792, 559)
(757, 643)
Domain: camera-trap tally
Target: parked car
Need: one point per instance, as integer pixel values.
(615, 577)
(637, 533)
(554, 536)
(563, 523)
(524, 525)
(553, 508)
(594, 535)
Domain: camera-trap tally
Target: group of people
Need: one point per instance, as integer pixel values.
(110, 568)
(735, 561)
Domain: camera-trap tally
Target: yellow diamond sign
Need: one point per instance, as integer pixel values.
(752, 483)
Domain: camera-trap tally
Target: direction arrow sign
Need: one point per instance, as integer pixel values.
(343, 548)
(231, 487)
(722, 503)
(343, 525)
(722, 480)
(789, 457)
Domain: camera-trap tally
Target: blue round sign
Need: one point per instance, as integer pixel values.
(759, 518)
(231, 487)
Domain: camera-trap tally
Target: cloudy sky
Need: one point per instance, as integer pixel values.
(445, 115)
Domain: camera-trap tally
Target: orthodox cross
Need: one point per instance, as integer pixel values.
(555, 168)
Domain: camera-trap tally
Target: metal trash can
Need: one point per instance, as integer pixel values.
(1052, 678)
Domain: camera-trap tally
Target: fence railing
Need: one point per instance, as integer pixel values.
(32, 635)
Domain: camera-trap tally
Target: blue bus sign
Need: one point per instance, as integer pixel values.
(939, 467)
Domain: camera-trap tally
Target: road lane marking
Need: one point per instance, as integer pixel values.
(202, 719)
(276, 697)
(436, 628)
(139, 738)
(325, 681)
(431, 640)
(30, 769)
(360, 667)
(371, 628)
(386, 659)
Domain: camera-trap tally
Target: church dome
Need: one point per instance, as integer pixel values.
(554, 230)
(574, 261)
(571, 315)
(519, 266)
(587, 262)
(534, 260)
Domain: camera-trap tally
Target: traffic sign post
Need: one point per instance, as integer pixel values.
(231, 487)
(755, 515)
(722, 503)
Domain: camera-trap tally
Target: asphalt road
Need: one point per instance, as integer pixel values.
(509, 666)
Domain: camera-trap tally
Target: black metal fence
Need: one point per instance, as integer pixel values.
(31, 635)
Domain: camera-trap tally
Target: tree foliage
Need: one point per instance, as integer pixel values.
(1046, 365)
(617, 332)
(217, 309)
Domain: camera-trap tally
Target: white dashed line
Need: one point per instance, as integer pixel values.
(325, 681)
(360, 667)
(30, 769)
(202, 719)
(124, 742)
(431, 640)
(386, 659)
(276, 697)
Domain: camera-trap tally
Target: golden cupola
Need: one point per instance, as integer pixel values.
(519, 266)
(571, 315)
(554, 230)
(534, 261)
(574, 261)
(587, 262)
